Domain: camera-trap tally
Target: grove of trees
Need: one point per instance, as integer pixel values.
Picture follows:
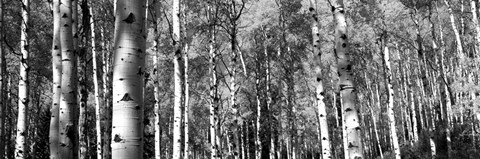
(239, 79)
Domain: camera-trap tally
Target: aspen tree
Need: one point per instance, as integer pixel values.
(23, 85)
(98, 131)
(476, 25)
(390, 112)
(177, 79)
(156, 91)
(258, 141)
(414, 130)
(186, 149)
(214, 99)
(347, 87)
(455, 30)
(128, 80)
(82, 144)
(233, 16)
(322, 113)
(107, 97)
(56, 87)
(68, 100)
(374, 122)
(3, 68)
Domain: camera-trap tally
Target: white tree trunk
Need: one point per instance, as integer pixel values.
(68, 101)
(412, 107)
(128, 80)
(455, 30)
(186, 149)
(23, 86)
(187, 108)
(177, 79)
(347, 87)
(322, 112)
(57, 77)
(213, 90)
(156, 91)
(98, 131)
(476, 26)
(390, 112)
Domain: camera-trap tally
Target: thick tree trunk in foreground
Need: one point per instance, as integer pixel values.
(390, 112)
(57, 77)
(68, 99)
(322, 113)
(23, 86)
(347, 87)
(128, 80)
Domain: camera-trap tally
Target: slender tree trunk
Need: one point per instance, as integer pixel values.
(476, 25)
(177, 78)
(412, 108)
(57, 79)
(186, 149)
(213, 88)
(106, 152)
(128, 80)
(347, 87)
(3, 69)
(83, 80)
(258, 141)
(98, 130)
(107, 95)
(23, 86)
(374, 122)
(233, 82)
(10, 151)
(391, 113)
(322, 113)
(455, 30)
(156, 91)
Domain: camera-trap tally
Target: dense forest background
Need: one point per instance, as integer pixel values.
(262, 75)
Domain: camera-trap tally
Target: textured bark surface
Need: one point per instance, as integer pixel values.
(455, 30)
(128, 80)
(347, 87)
(23, 86)
(177, 79)
(476, 26)
(390, 112)
(83, 78)
(68, 99)
(98, 132)
(3, 68)
(107, 97)
(214, 99)
(322, 112)
(57, 77)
